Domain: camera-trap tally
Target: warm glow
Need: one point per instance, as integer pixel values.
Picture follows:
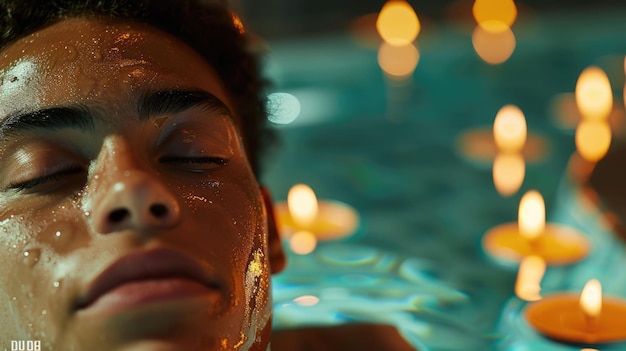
(302, 204)
(504, 11)
(508, 172)
(303, 242)
(238, 24)
(397, 23)
(593, 139)
(532, 215)
(398, 61)
(593, 94)
(509, 129)
(591, 298)
(493, 41)
(528, 283)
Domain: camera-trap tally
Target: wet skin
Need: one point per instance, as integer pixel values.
(118, 141)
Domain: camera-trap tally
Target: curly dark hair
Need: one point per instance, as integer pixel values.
(205, 25)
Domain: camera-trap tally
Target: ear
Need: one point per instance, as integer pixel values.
(277, 257)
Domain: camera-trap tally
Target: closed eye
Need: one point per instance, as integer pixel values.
(194, 164)
(175, 159)
(49, 178)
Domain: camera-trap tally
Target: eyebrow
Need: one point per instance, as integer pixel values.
(151, 105)
(74, 116)
(166, 102)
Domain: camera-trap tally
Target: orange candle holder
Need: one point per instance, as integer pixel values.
(557, 245)
(334, 220)
(560, 317)
(479, 145)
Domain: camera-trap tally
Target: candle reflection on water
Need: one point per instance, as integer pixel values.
(529, 276)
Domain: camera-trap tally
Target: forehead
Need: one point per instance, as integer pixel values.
(81, 60)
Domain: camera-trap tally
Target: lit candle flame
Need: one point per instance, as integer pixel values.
(397, 23)
(591, 298)
(302, 204)
(593, 139)
(593, 94)
(504, 11)
(508, 172)
(509, 129)
(532, 215)
(528, 283)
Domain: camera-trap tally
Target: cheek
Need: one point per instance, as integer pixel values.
(36, 243)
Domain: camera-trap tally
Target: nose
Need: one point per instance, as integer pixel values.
(136, 201)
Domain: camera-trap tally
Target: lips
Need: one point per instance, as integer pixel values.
(145, 277)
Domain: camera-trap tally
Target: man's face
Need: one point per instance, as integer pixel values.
(130, 218)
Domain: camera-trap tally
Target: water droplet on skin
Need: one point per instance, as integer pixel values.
(56, 284)
(31, 257)
(70, 53)
(44, 312)
(57, 234)
(13, 298)
(87, 213)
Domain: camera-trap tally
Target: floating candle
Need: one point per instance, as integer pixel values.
(555, 244)
(509, 135)
(589, 318)
(324, 220)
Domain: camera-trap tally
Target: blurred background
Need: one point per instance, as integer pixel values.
(389, 107)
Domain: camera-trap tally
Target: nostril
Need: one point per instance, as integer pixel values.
(158, 210)
(118, 215)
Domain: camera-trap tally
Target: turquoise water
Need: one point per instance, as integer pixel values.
(390, 151)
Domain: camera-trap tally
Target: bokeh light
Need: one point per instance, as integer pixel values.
(493, 41)
(503, 11)
(398, 61)
(397, 23)
(532, 215)
(593, 94)
(302, 204)
(593, 139)
(529, 276)
(591, 298)
(509, 129)
(306, 300)
(303, 242)
(508, 173)
(283, 108)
